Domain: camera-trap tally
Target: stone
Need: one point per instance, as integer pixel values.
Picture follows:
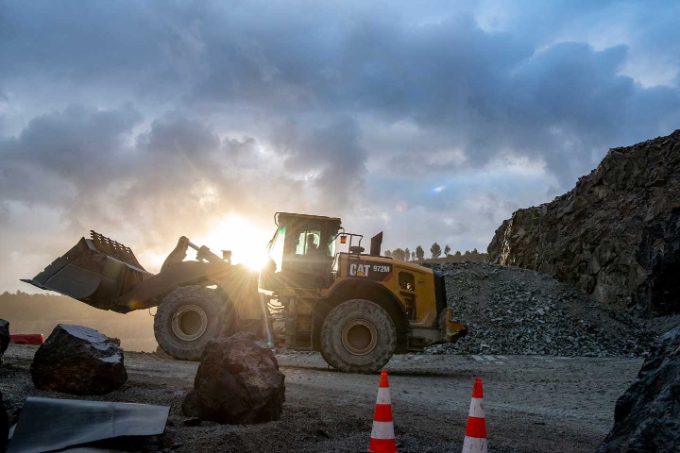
(4, 338)
(162, 354)
(78, 360)
(615, 236)
(238, 382)
(4, 425)
(193, 421)
(647, 416)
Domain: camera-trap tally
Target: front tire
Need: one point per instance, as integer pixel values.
(358, 336)
(189, 318)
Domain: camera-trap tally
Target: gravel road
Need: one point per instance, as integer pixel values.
(533, 403)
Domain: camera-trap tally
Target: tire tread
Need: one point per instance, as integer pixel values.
(387, 336)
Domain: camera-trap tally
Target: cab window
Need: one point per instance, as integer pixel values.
(276, 248)
(331, 249)
(308, 242)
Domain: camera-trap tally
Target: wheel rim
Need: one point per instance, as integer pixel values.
(189, 323)
(359, 337)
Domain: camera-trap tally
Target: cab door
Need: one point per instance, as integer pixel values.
(307, 256)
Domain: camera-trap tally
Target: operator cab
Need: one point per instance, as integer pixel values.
(301, 253)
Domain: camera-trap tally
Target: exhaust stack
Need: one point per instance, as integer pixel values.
(376, 244)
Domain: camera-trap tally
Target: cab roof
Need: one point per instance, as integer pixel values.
(305, 216)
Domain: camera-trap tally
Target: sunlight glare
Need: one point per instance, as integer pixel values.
(246, 241)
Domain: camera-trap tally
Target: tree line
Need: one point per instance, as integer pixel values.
(419, 253)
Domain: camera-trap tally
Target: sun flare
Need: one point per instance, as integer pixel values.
(246, 241)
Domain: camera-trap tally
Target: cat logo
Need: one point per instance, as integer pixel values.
(359, 270)
(378, 272)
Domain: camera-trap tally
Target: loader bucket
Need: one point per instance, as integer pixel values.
(96, 271)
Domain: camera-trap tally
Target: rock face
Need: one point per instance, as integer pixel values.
(616, 235)
(4, 338)
(647, 416)
(78, 360)
(238, 382)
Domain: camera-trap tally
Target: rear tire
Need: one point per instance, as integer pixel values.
(358, 336)
(189, 318)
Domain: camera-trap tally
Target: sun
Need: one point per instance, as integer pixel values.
(246, 241)
(255, 262)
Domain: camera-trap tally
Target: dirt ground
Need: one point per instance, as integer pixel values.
(533, 403)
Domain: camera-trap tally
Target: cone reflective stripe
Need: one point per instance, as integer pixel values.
(475, 434)
(382, 435)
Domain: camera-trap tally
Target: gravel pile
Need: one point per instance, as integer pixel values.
(510, 310)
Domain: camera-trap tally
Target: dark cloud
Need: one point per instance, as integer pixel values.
(88, 165)
(485, 91)
(61, 155)
(332, 157)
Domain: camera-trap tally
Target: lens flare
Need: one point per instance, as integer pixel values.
(246, 241)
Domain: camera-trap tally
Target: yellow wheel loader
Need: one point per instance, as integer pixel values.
(357, 309)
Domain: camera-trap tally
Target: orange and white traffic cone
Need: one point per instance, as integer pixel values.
(382, 436)
(475, 434)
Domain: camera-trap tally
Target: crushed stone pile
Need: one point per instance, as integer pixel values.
(510, 310)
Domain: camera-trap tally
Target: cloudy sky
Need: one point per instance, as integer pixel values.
(432, 121)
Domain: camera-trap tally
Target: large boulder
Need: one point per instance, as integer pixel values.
(238, 382)
(615, 236)
(4, 425)
(4, 338)
(647, 416)
(78, 360)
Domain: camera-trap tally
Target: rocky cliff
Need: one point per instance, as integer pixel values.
(615, 236)
(647, 416)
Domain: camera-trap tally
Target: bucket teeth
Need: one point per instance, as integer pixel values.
(114, 249)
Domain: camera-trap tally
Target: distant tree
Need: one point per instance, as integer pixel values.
(388, 254)
(407, 254)
(413, 256)
(398, 254)
(447, 249)
(420, 253)
(467, 253)
(436, 250)
(475, 252)
(458, 253)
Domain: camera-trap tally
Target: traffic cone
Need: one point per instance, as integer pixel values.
(382, 436)
(475, 434)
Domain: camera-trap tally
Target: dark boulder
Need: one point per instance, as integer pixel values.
(647, 416)
(238, 382)
(78, 360)
(4, 425)
(4, 337)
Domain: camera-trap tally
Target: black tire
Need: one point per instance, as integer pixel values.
(358, 336)
(189, 318)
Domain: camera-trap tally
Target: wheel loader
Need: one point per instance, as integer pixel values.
(357, 309)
